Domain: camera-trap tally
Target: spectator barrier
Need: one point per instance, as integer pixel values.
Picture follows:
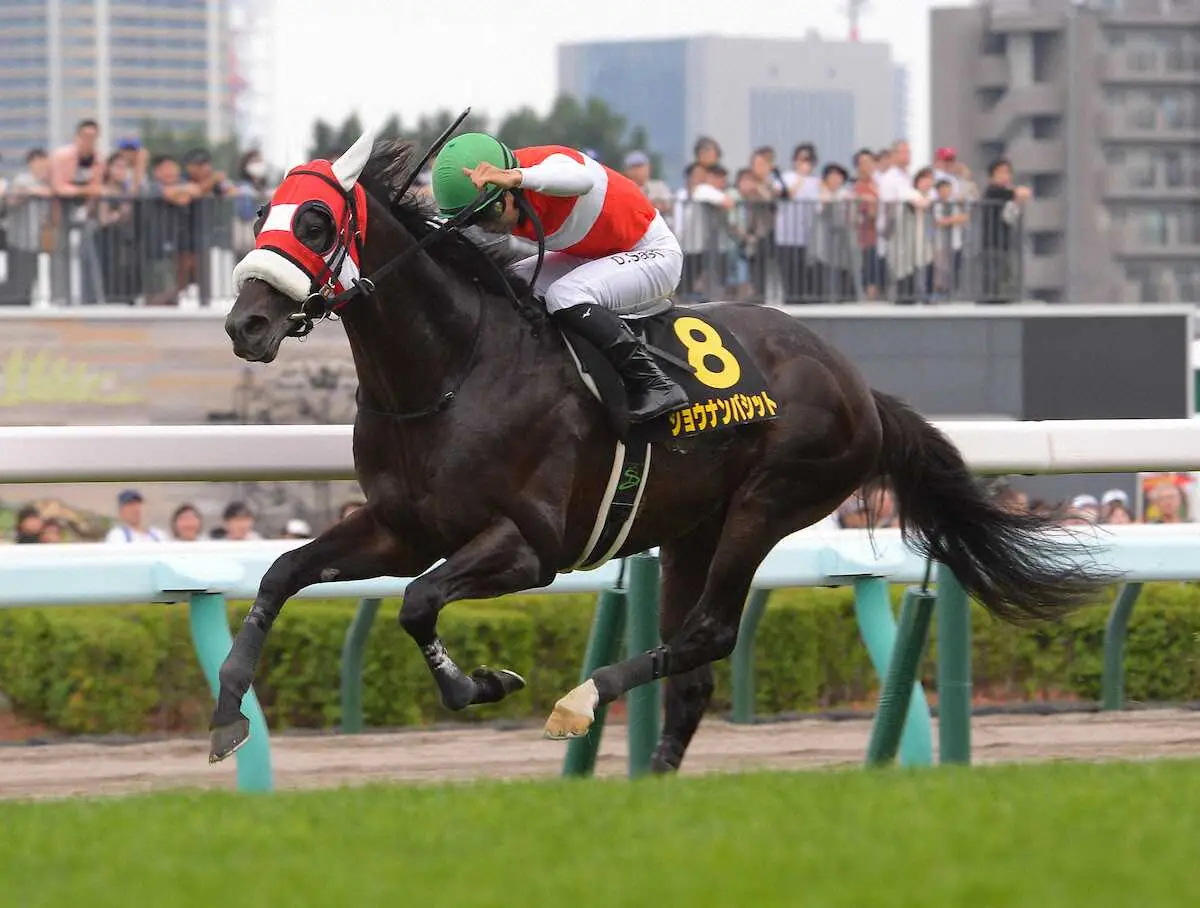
(205, 573)
(147, 251)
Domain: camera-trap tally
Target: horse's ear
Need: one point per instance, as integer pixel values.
(350, 165)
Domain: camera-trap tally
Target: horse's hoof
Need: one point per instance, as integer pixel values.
(573, 714)
(224, 740)
(494, 684)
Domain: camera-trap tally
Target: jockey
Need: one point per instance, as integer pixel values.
(609, 252)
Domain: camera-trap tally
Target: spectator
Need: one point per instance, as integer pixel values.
(76, 176)
(186, 524)
(944, 161)
(164, 229)
(116, 238)
(759, 195)
(701, 219)
(136, 158)
(637, 168)
(130, 525)
(52, 531)
(296, 529)
(31, 227)
(209, 224)
(28, 525)
(237, 523)
(949, 218)
(833, 245)
(747, 223)
(251, 192)
(706, 152)
(1014, 501)
(910, 245)
(1168, 502)
(794, 220)
(1115, 507)
(1085, 507)
(1002, 206)
(866, 192)
(895, 192)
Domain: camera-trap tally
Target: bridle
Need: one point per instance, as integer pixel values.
(322, 303)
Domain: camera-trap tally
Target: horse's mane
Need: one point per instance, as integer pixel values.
(385, 173)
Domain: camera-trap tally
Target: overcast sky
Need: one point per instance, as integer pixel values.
(414, 56)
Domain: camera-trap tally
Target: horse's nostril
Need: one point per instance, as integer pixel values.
(251, 327)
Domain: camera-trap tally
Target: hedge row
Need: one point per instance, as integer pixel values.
(132, 669)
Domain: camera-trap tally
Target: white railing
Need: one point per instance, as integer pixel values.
(217, 453)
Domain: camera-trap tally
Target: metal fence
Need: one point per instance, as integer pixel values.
(148, 251)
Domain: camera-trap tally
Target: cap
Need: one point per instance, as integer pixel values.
(297, 527)
(129, 496)
(1115, 495)
(946, 154)
(1085, 501)
(129, 144)
(197, 156)
(636, 159)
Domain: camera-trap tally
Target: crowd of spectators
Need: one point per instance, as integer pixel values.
(140, 227)
(871, 229)
(187, 524)
(875, 506)
(132, 226)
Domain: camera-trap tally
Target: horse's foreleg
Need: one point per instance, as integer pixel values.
(497, 561)
(358, 548)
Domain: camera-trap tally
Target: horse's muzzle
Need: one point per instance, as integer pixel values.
(255, 338)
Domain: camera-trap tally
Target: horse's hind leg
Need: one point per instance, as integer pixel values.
(497, 561)
(684, 570)
(710, 630)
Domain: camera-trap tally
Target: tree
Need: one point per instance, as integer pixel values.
(591, 125)
(160, 140)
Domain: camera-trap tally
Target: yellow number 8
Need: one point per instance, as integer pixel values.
(703, 342)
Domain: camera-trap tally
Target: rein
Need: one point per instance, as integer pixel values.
(319, 305)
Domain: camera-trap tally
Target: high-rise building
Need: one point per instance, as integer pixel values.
(1097, 105)
(744, 92)
(119, 62)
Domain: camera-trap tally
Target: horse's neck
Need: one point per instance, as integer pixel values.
(414, 336)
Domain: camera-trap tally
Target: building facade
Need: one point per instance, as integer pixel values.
(745, 92)
(119, 62)
(1097, 104)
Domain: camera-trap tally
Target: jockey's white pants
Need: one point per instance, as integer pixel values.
(626, 283)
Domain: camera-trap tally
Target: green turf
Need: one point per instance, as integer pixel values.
(1046, 836)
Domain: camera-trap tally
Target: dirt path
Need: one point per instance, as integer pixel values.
(306, 761)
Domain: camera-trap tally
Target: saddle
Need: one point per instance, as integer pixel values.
(724, 385)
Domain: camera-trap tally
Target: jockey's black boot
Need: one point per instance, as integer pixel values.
(651, 392)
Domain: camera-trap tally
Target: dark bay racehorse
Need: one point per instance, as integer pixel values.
(476, 442)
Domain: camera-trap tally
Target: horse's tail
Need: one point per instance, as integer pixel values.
(1001, 558)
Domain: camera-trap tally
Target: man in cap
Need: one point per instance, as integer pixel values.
(130, 525)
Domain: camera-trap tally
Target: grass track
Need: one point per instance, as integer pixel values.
(1049, 836)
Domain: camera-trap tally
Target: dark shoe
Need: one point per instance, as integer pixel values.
(651, 392)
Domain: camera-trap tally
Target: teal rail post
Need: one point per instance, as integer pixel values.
(353, 648)
(898, 698)
(603, 648)
(211, 637)
(642, 635)
(877, 624)
(953, 669)
(1113, 683)
(742, 660)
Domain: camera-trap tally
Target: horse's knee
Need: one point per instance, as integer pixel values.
(418, 614)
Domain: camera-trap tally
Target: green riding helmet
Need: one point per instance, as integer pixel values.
(452, 188)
